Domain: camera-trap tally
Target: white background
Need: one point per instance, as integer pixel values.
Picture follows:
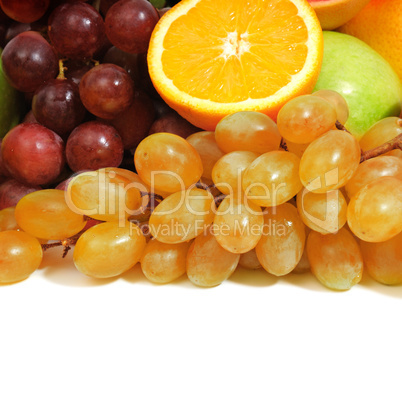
(66, 337)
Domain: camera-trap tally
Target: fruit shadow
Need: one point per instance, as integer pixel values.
(62, 271)
(305, 280)
(368, 283)
(252, 277)
(135, 275)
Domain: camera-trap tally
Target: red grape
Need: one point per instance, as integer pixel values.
(106, 90)
(76, 30)
(129, 24)
(173, 123)
(57, 105)
(134, 123)
(29, 61)
(125, 60)
(24, 10)
(33, 154)
(75, 70)
(11, 191)
(94, 145)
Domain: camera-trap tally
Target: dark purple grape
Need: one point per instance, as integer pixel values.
(24, 10)
(57, 105)
(172, 122)
(129, 24)
(75, 70)
(3, 169)
(125, 60)
(11, 191)
(106, 90)
(33, 154)
(29, 61)
(15, 28)
(134, 123)
(30, 118)
(105, 5)
(94, 145)
(76, 30)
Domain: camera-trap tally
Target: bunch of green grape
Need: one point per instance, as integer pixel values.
(289, 196)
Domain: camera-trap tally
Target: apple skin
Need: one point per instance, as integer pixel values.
(11, 104)
(365, 79)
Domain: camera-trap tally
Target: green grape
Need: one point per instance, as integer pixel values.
(282, 243)
(372, 169)
(382, 132)
(383, 260)
(162, 262)
(272, 178)
(238, 224)
(208, 263)
(329, 161)
(228, 171)
(247, 131)
(206, 146)
(167, 162)
(104, 195)
(305, 118)
(182, 216)
(324, 213)
(338, 101)
(7, 219)
(20, 255)
(108, 249)
(250, 260)
(335, 259)
(46, 215)
(375, 211)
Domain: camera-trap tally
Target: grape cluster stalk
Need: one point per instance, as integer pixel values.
(100, 166)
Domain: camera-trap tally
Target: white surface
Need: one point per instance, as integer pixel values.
(66, 337)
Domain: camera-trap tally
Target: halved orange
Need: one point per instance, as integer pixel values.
(210, 58)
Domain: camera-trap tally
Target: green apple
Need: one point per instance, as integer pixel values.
(10, 104)
(370, 86)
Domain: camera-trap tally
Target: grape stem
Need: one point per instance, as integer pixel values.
(61, 75)
(340, 126)
(66, 244)
(395, 143)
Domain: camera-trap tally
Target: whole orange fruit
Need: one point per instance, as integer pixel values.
(379, 24)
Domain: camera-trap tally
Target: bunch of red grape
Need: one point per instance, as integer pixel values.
(101, 163)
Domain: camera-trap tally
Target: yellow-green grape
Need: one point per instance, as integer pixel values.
(228, 171)
(303, 265)
(103, 195)
(375, 211)
(338, 101)
(372, 169)
(206, 146)
(238, 224)
(383, 261)
(382, 132)
(46, 215)
(162, 262)
(208, 263)
(108, 249)
(329, 161)
(167, 162)
(335, 259)
(305, 118)
(272, 178)
(20, 255)
(247, 131)
(250, 260)
(282, 243)
(7, 219)
(297, 149)
(182, 216)
(324, 213)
